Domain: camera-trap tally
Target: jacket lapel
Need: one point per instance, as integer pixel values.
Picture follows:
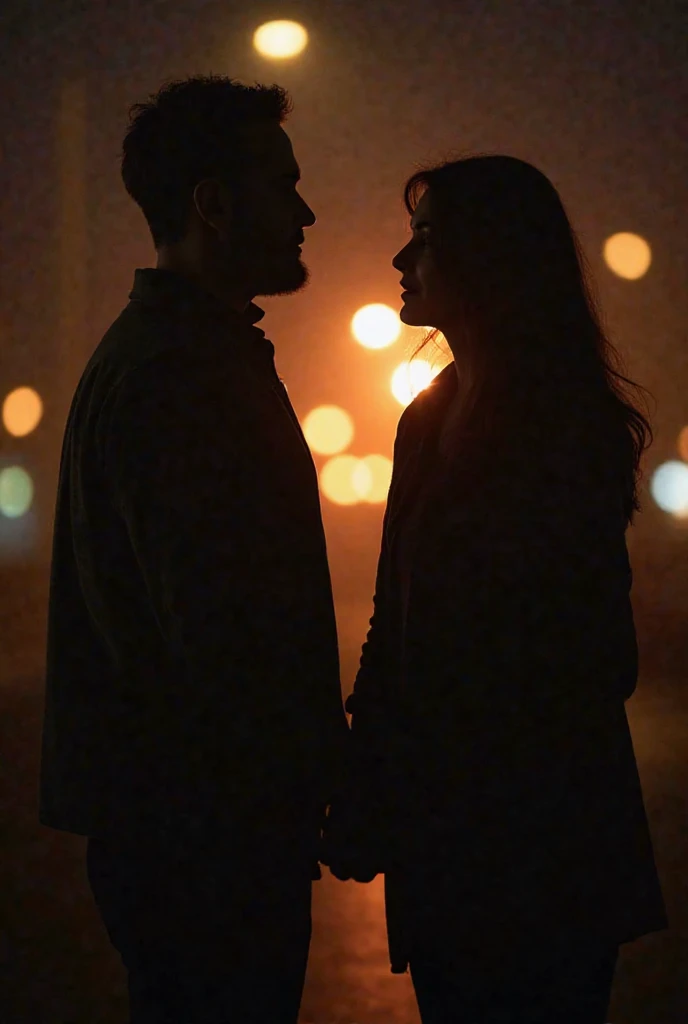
(417, 455)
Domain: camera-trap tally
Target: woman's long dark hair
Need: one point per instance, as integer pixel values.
(532, 331)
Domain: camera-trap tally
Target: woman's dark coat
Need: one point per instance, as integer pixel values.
(488, 711)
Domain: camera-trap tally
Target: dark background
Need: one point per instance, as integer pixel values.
(594, 94)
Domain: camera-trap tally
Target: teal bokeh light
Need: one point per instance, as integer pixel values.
(16, 492)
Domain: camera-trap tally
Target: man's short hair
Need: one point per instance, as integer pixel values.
(187, 131)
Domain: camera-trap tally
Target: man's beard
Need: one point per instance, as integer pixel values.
(285, 279)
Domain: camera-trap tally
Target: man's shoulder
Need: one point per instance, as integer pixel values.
(143, 347)
(151, 372)
(141, 334)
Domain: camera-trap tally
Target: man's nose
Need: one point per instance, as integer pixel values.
(307, 217)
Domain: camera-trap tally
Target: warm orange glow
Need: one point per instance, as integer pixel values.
(362, 479)
(372, 478)
(627, 255)
(328, 429)
(376, 325)
(409, 379)
(683, 444)
(280, 39)
(337, 480)
(22, 411)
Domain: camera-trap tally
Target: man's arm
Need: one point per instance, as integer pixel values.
(179, 458)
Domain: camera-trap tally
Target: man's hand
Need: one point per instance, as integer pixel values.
(348, 846)
(352, 871)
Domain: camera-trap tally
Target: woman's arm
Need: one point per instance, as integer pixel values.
(377, 657)
(355, 831)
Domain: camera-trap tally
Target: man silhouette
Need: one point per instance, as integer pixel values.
(194, 727)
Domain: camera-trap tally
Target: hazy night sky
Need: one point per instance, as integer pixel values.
(593, 94)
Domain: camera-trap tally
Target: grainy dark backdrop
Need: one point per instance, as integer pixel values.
(592, 93)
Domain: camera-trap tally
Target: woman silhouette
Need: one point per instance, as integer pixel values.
(494, 779)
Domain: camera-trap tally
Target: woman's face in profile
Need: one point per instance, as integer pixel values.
(426, 299)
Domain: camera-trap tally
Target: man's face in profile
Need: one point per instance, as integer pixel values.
(270, 216)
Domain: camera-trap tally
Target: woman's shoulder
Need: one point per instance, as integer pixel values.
(429, 404)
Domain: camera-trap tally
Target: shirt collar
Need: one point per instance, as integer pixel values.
(174, 293)
(167, 288)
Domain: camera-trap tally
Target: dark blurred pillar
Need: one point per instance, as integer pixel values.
(70, 276)
(72, 239)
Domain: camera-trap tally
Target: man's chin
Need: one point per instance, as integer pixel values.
(287, 281)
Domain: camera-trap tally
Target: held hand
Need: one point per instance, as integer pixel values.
(352, 871)
(348, 846)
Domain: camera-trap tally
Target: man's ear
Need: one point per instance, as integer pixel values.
(213, 205)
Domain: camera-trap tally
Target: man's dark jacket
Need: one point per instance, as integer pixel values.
(192, 667)
(488, 722)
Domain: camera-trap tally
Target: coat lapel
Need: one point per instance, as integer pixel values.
(416, 457)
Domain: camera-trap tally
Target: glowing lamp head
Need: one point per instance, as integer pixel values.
(16, 492)
(22, 411)
(627, 255)
(280, 40)
(340, 482)
(683, 444)
(372, 478)
(409, 379)
(376, 326)
(669, 487)
(328, 429)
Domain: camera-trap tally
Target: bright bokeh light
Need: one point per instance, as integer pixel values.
(628, 255)
(669, 487)
(280, 39)
(16, 492)
(362, 479)
(683, 444)
(372, 477)
(22, 411)
(376, 325)
(409, 379)
(337, 479)
(328, 429)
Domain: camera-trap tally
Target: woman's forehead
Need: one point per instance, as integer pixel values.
(422, 212)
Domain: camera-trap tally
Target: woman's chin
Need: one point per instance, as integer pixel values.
(409, 317)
